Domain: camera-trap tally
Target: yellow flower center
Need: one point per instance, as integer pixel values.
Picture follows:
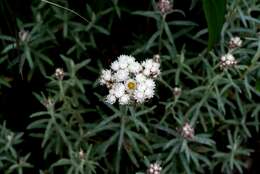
(131, 85)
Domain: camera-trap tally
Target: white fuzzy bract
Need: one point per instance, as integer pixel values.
(129, 81)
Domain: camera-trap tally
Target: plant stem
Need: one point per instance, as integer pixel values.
(161, 32)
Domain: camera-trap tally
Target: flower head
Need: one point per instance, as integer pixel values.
(24, 35)
(227, 61)
(187, 131)
(106, 78)
(234, 42)
(151, 68)
(59, 73)
(129, 81)
(131, 85)
(81, 154)
(154, 168)
(176, 91)
(164, 6)
(48, 103)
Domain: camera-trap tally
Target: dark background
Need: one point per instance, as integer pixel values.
(17, 102)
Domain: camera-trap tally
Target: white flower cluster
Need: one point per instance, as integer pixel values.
(227, 61)
(129, 81)
(154, 169)
(234, 42)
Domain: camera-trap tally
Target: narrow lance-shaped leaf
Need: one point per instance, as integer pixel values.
(215, 14)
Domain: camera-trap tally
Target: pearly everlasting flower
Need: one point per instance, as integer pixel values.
(154, 168)
(156, 58)
(125, 61)
(126, 58)
(151, 68)
(118, 90)
(48, 103)
(123, 64)
(106, 77)
(176, 91)
(149, 93)
(164, 6)
(129, 81)
(131, 85)
(140, 78)
(139, 96)
(81, 154)
(59, 73)
(111, 99)
(149, 83)
(24, 35)
(115, 66)
(235, 42)
(121, 75)
(227, 61)
(124, 99)
(135, 67)
(187, 131)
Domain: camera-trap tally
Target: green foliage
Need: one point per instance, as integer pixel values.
(79, 133)
(215, 14)
(11, 161)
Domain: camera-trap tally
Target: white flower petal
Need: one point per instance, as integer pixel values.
(115, 66)
(124, 99)
(111, 99)
(121, 75)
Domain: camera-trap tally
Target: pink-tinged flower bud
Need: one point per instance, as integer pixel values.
(187, 131)
(154, 168)
(164, 6)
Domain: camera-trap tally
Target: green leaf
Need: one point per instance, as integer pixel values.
(9, 47)
(257, 86)
(61, 162)
(215, 15)
(149, 14)
(29, 57)
(151, 41)
(4, 82)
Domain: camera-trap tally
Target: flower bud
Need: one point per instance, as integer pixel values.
(164, 6)
(59, 73)
(154, 168)
(187, 131)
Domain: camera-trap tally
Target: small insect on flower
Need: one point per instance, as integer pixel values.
(59, 73)
(234, 42)
(154, 168)
(129, 81)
